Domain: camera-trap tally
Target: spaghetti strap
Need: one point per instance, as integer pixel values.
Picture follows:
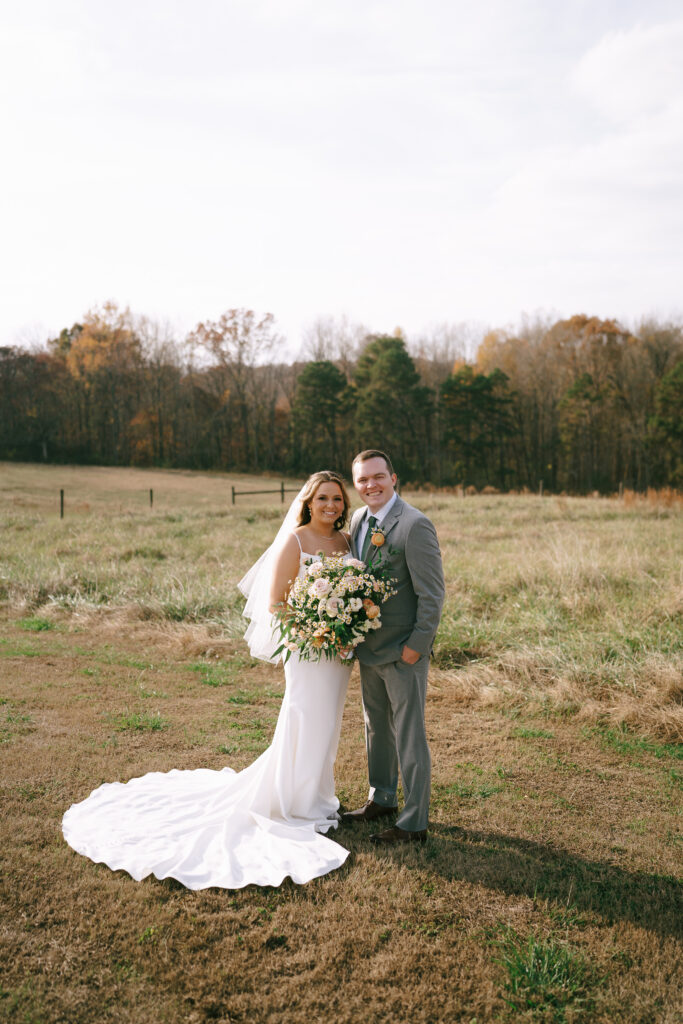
(298, 542)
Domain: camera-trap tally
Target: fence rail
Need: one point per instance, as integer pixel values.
(282, 490)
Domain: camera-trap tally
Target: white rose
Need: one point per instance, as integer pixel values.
(319, 588)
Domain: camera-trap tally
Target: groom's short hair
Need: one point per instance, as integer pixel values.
(373, 453)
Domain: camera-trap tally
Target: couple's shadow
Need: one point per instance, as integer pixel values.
(521, 867)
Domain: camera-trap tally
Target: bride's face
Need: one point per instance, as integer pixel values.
(327, 505)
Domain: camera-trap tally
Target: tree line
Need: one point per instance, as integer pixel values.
(581, 404)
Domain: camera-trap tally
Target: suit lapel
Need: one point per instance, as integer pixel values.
(393, 515)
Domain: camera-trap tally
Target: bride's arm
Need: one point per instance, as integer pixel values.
(285, 571)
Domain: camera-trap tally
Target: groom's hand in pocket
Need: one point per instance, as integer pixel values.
(409, 655)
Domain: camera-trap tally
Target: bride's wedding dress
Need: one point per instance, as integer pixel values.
(227, 829)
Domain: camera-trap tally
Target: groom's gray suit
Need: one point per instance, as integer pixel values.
(394, 692)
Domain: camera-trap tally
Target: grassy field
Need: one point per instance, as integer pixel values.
(549, 889)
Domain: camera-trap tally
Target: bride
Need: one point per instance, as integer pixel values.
(258, 826)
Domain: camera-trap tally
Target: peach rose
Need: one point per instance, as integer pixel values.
(371, 609)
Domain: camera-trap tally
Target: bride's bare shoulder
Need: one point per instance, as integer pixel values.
(291, 546)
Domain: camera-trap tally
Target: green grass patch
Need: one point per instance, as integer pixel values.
(138, 721)
(13, 723)
(34, 624)
(473, 786)
(254, 735)
(532, 734)
(544, 977)
(10, 649)
(250, 697)
(626, 742)
(212, 673)
(227, 748)
(224, 673)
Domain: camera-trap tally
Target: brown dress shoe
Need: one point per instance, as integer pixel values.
(368, 812)
(394, 835)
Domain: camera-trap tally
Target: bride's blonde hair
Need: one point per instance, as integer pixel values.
(324, 476)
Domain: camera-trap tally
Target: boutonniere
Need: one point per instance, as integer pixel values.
(377, 536)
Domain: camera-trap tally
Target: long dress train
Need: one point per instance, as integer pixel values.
(222, 828)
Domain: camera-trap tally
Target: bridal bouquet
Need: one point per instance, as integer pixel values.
(332, 608)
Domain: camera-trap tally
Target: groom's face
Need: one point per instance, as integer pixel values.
(374, 482)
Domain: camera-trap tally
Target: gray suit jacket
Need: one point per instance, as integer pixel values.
(411, 554)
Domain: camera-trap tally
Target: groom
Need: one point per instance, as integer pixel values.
(394, 659)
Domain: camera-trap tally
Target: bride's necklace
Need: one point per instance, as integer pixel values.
(323, 536)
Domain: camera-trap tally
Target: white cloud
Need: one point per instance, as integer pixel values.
(633, 73)
(617, 196)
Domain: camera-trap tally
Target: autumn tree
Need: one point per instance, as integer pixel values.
(238, 345)
(104, 359)
(582, 403)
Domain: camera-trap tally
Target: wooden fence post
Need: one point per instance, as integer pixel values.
(233, 494)
(282, 491)
(540, 488)
(151, 498)
(61, 503)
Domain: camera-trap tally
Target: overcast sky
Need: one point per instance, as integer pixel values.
(404, 163)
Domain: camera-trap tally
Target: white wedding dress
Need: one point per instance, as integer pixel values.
(222, 828)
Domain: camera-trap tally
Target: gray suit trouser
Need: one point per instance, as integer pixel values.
(394, 697)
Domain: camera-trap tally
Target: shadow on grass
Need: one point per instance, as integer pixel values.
(521, 867)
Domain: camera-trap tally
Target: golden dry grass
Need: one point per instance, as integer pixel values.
(555, 724)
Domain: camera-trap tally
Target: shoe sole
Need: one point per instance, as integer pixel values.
(348, 819)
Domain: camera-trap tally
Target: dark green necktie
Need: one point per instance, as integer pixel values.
(368, 534)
